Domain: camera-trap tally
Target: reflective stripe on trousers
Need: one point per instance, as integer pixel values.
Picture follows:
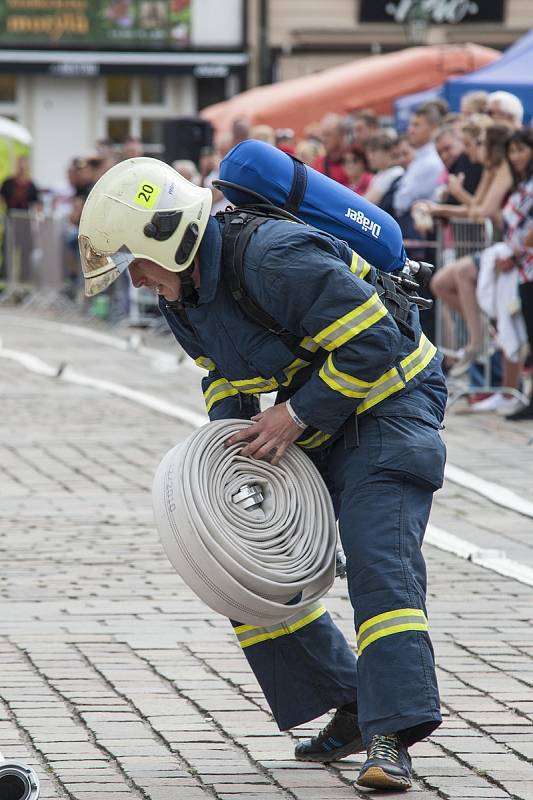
(248, 635)
(304, 667)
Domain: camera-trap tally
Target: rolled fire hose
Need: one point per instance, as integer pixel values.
(246, 536)
(18, 781)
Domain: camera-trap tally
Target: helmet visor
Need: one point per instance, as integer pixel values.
(101, 269)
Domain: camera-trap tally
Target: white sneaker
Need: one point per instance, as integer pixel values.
(514, 405)
(468, 357)
(496, 402)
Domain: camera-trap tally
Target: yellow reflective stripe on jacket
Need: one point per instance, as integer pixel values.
(249, 635)
(307, 343)
(293, 368)
(206, 363)
(388, 384)
(217, 391)
(359, 266)
(315, 440)
(392, 381)
(389, 623)
(341, 382)
(351, 324)
(416, 361)
(254, 385)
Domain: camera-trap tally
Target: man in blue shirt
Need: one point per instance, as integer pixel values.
(421, 177)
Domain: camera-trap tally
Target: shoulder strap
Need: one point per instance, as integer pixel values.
(238, 230)
(298, 187)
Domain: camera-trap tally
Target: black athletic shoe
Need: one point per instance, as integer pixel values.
(341, 737)
(523, 413)
(388, 765)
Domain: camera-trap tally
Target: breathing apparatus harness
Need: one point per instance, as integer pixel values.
(397, 290)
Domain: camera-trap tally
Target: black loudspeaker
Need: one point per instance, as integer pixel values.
(184, 137)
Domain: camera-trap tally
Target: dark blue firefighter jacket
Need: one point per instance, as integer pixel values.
(350, 355)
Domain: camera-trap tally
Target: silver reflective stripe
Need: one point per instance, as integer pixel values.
(359, 266)
(206, 363)
(357, 321)
(390, 623)
(388, 384)
(249, 635)
(252, 385)
(315, 440)
(293, 368)
(216, 391)
(309, 344)
(419, 358)
(341, 382)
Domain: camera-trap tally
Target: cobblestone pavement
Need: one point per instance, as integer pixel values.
(115, 681)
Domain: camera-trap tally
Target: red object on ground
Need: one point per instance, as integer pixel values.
(372, 82)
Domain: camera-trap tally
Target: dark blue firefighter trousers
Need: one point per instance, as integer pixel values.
(382, 491)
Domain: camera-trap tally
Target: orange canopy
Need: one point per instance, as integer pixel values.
(373, 82)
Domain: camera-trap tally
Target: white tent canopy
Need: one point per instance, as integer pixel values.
(12, 130)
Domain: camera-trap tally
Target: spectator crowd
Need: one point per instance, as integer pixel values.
(474, 165)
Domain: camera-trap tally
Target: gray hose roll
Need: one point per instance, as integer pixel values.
(245, 563)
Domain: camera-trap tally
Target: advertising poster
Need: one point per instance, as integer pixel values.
(120, 24)
(437, 12)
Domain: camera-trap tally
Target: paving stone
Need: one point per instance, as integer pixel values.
(113, 672)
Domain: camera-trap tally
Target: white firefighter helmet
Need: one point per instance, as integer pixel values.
(140, 208)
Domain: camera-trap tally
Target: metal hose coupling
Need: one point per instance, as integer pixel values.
(246, 536)
(18, 781)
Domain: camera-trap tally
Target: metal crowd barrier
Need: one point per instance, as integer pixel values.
(37, 270)
(144, 309)
(456, 239)
(33, 261)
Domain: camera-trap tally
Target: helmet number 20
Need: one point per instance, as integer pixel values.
(147, 194)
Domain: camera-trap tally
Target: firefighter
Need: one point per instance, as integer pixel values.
(360, 394)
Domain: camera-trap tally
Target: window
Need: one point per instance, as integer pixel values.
(8, 88)
(152, 90)
(118, 88)
(151, 131)
(136, 105)
(117, 130)
(10, 96)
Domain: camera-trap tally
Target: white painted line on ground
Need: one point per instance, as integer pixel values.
(148, 400)
(71, 376)
(494, 560)
(132, 344)
(32, 363)
(492, 491)
(160, 360)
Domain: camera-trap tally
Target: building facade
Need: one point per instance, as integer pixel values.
(77, 71)
(305, 36)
